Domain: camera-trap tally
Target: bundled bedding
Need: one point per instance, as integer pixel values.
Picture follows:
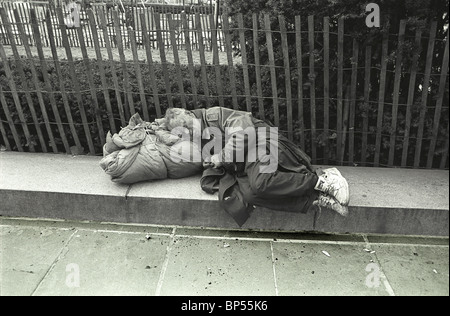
(145, 151)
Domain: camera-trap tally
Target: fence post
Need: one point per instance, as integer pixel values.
(396, 92)
(101, 70)
(187, 40)
(298, 48)
(23, 79)
(411, 90)
(202, 59)
(176, 60)
(248, 99)
(162, 54)
(112, 67)
(216, 63)
(326, 87)
(340, 83)
(48, 86)
(90, 77)
(61, 84)
(148, 51)
(287, 74)
(425, 87)
(437, 111)
(445, 151)
(381, 95)
(352, 114)
(262, 115)
(231, 69)
(3, 132)
(75, 81)
(273, 72)
(126, 85)
(366, 108)
(10, 120)
(312, 89)
(345, 123)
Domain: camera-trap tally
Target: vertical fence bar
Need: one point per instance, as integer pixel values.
(162, 54)
(352, 110)
(75, 81)
(90, 77)
(425, 92)
(8, 115)
(138, 72)
(47, 83)
(396, 92)
(202, 59)
(340, 83)
(151, 68)
(101, 70)
(126, 86)
(42, 17)
(411, 91)
(12, 85)
(259, 91)
(438, 109)
(312, 81)
(231, 69)
(36, 82)
(345, 123)
(61, 80)
(176, 59)
(188, 44)
(298, 50)
(366, 112)
(287, 74)
(381, 95)
(248, 99)
(326, 87)
(23, 79)
(445, 152)
(216, 62)
(3, 132)
(112, 66)
(273, 71)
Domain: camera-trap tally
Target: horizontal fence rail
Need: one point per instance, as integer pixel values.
(343, 100)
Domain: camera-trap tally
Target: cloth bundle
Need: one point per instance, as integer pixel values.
(144, 151)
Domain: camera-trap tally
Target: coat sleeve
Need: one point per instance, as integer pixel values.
(239, 132)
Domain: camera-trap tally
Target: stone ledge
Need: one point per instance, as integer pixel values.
(386, 201)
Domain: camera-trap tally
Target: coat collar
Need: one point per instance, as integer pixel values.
(201, 114)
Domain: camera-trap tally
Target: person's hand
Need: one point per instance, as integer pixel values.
(213, 162)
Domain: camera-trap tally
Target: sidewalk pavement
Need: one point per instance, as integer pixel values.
(43, 257)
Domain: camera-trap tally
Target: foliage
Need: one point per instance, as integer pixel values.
(418, 15)
(88, 103)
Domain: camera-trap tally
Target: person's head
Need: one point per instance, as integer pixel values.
(176, 118)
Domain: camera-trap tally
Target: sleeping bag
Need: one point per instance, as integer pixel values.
(143, 151)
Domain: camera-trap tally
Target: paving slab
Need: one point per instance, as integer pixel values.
(107, 263)
(417, 270)
(223, 267)
(26, 254)
(304, 269)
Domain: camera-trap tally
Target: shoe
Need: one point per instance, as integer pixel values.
(332, 183)
(331, 203)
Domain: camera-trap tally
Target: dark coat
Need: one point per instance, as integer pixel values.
(232, 180)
